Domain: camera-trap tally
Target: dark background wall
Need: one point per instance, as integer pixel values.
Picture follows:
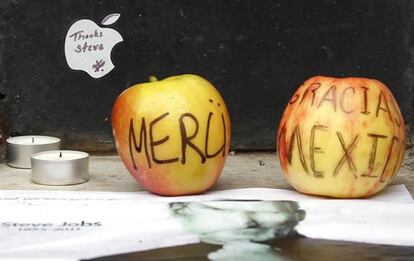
(256, 52)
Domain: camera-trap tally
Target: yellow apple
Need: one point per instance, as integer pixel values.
(173, 135)
(342, 138)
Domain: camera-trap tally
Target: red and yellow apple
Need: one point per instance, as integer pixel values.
(173, 135)
(342, 138)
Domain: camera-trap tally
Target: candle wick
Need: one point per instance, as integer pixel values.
(60, 155)
(32, 140)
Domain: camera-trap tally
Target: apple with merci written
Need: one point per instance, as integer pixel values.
(173, 135)
(342, 138)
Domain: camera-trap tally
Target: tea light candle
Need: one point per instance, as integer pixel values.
(60, 167)
(21, 148)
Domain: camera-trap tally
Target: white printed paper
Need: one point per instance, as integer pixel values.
(76, 225)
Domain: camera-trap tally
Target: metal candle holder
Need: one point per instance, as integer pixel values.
(21, 148)
(60, 167)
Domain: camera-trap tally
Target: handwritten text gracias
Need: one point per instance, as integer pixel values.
(315, 98)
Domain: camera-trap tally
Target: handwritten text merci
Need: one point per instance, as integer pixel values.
(140, 142)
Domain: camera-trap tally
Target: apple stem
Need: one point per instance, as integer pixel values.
(152, 78)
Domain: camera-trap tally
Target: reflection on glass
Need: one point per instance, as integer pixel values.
(242, 227)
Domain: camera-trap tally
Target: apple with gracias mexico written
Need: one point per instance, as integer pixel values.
(173, 135)
(342, 138)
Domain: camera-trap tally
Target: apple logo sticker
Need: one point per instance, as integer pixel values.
(88, 46)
